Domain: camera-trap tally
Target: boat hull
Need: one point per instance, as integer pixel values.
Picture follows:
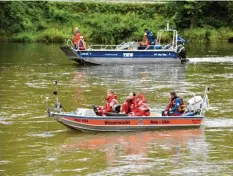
(114, 124)
(108, 57)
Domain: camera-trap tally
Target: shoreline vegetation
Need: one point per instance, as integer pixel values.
(113, 23)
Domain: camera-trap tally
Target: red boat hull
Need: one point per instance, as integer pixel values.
(110, 123)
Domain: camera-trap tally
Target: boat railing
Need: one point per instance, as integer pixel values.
(101, 47)
(128, 47)
(70, 43)
(122, 46)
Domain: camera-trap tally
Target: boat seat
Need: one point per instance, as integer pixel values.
(117, 108)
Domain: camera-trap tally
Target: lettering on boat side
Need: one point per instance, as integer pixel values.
(125, 122)
(159, 122)
(84, 54)
(196, 121)
(81, 120)
(128, 54)
(160, 54)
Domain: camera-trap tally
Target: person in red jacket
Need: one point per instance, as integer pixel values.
(128, 105)
(76, 37)
(140, 106)
(111, 103)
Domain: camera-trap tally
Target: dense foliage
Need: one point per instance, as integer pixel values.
(113, 22)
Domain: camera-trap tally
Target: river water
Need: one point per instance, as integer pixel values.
(31, 144)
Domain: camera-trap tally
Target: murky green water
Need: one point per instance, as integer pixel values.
(30, 144)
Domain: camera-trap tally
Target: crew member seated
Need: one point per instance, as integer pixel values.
(145, 43)
(81, 43)
(176, 106)
(128, 105)
(140, 106)
(111, 103)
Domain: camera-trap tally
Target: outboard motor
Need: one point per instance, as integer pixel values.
(181, 53)
(195, 104)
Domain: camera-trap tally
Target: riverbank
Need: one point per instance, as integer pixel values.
(109, 23)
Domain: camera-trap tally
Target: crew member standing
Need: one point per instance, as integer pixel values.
(76, 37)
(150, 36)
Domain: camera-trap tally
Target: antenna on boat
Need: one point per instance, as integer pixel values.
(47, 105)
(205, 104)
(57, 104)
(168, 25)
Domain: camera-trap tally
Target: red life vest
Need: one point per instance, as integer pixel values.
(76, 38)
(142, 110)
(111, 102)
(127, 106)
(143, 99)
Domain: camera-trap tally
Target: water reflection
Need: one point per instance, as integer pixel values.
(142, 149)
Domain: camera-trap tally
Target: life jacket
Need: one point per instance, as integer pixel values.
(150, 37)
(181, 107)
(146, 42)
(81, 44)
(140, 108)
(111, 103)
(143, 99)
(127, 106)
(76, 38)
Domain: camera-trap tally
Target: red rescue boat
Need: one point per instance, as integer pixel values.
(84, 119)
(123, 123)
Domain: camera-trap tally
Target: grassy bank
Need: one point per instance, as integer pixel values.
(102, 22)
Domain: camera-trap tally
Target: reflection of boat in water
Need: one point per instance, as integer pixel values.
(124, 153)
(134, 141)
(87, 120)
(141, 147)
(128, 53)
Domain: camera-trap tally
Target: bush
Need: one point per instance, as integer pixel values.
(112, 23)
